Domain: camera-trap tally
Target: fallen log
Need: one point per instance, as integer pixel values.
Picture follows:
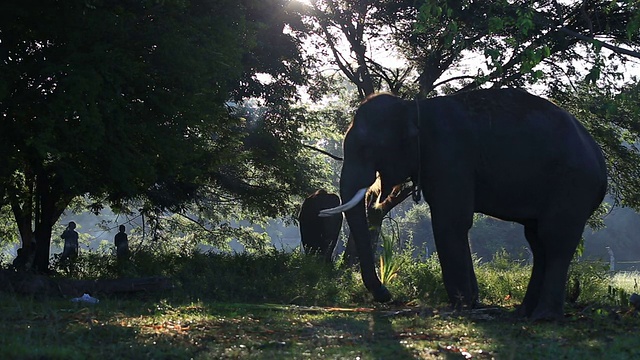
(27, 283)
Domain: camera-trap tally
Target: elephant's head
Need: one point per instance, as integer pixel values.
(382, 139)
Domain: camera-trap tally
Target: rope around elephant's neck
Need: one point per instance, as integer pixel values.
(417, 187)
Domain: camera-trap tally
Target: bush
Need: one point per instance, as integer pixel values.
(421, 281)
(280, 277)
(593, 278)
(273, 276)
(502, 281)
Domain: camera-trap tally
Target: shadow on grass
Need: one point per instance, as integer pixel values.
(387, 343)
(59, 331)
(581, 335)
(171, 325)
(358, 335)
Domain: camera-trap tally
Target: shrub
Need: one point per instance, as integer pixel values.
(502, 281)
(280, 277)
(594, 280)
(389, 264)
(421, 281)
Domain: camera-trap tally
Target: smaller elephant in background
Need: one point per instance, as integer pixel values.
(319, 235)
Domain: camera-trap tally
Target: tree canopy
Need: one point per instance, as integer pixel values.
(130, 102)
(555, 49)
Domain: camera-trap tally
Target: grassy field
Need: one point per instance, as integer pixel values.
(158, 329)
(180, 324)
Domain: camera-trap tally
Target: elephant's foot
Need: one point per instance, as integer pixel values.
(461, 302)
(382, 294)
(540, 315)
(521, 312)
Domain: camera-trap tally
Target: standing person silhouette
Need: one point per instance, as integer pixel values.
(70, 251)
(122, 244)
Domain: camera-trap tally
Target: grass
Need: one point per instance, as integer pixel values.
(161, 329)
(242, 307)
(629, 281)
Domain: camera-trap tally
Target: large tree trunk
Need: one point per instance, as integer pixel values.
(36, 208)
(50, 206)
(43, 247)
(22, 208)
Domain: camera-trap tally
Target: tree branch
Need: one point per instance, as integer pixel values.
(548, 62)
(324, 152)
(613, 48)
(452, 79)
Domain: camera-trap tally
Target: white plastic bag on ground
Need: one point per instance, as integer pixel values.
(86, 298)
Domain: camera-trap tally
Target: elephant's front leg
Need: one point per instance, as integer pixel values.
(450, 229)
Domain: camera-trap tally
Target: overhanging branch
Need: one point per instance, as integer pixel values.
(613, 48)
(323, 152)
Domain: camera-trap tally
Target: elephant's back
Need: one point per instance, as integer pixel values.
(511, 137)
(319, 201)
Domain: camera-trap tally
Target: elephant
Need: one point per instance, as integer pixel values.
(502, 152)
(319, 235)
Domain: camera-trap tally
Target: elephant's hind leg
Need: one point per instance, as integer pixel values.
(537, 274)
(558, 238)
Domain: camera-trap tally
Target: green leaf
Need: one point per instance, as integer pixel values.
(496, 24)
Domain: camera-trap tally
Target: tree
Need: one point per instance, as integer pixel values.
(128, 103)
(348, 36)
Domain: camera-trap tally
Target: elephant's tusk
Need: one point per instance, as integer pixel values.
(358, 197)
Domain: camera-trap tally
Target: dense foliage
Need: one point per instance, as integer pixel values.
(131, 103)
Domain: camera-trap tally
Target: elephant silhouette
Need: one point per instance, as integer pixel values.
(501, 152)
(319, 235)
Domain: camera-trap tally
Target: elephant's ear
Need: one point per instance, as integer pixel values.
(411, 143)
(410, 114)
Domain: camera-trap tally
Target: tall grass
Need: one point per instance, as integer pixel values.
(281, 277)
(628, 280)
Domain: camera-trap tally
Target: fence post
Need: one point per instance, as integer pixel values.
(530, 255)
(612, 260)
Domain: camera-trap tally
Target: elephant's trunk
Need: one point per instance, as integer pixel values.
(357, 220)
